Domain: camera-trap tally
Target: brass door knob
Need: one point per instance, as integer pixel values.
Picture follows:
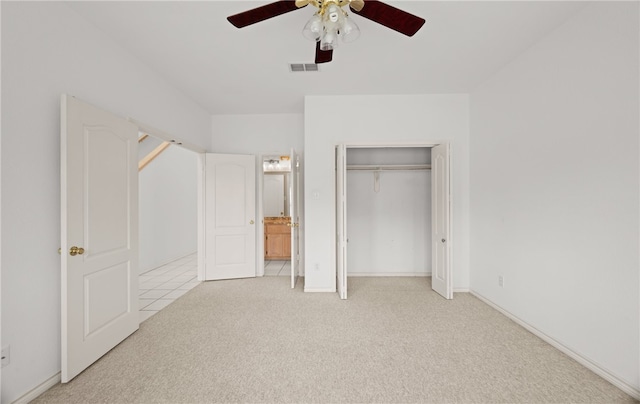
(76, 251)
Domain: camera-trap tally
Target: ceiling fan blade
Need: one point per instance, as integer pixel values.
(323, 56)
(265, 12)
(390, 17)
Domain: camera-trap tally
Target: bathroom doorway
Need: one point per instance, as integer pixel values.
(280, 213)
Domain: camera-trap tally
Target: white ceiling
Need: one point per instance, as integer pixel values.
(246, 71)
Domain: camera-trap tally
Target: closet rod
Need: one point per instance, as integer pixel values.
(393, 167)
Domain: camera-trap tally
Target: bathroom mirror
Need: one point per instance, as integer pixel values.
(274, 203)
(276, 176)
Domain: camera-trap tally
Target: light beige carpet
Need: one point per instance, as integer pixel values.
(393, 341)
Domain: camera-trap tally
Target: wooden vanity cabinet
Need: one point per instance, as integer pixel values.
(277, 238)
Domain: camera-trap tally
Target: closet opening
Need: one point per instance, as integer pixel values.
(392, 214)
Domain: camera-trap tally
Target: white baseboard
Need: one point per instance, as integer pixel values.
(460, 290)
(390, 274)
(319, 290)
(41, 388)
(586, 362)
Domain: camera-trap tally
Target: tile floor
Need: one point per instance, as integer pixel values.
(277, 268)
(161, 286)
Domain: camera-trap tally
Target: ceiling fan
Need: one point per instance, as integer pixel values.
(331, 21)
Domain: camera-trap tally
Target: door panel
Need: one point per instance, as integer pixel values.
(106, 207)
(106, 297)
(230, 234)
(231, 193)
(99, 237)
(441, 271)
(341, 220)
(231, 249)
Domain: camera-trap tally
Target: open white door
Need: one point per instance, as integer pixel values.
(294, 212)
(341, 220)
(230, 208)
(440, 233)
(99, 252)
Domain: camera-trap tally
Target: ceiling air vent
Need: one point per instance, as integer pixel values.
(303, 67)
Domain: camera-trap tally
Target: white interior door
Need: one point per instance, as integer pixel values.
(341, 220)
(441, 227)
(99, 253)
(294, 211)
(230, 208)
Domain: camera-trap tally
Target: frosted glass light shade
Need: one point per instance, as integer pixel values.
(330, 25)
(329, 40)
(349, 31)
(313, 29)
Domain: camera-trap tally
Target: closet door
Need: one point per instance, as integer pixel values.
(440, 222)
(341, 220)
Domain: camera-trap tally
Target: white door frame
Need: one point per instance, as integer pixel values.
(361, 145)
(260, 210)
(293, 190)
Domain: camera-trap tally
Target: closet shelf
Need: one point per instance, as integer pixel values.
(388, 167)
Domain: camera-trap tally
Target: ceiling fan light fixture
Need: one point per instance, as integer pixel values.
(349, 30)
(331, 21)
(329, 40)
(333, 13)
(329, 24)
(313, 29)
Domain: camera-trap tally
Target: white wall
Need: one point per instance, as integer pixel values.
(555, 187)
(47, 50)
(374, 120)
(168, 191)
(257, 134)
(389, 230)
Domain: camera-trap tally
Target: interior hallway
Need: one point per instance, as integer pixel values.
(159, 287)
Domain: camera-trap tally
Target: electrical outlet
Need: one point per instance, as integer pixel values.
(6, 355)
(501, 281)
(316, 267)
